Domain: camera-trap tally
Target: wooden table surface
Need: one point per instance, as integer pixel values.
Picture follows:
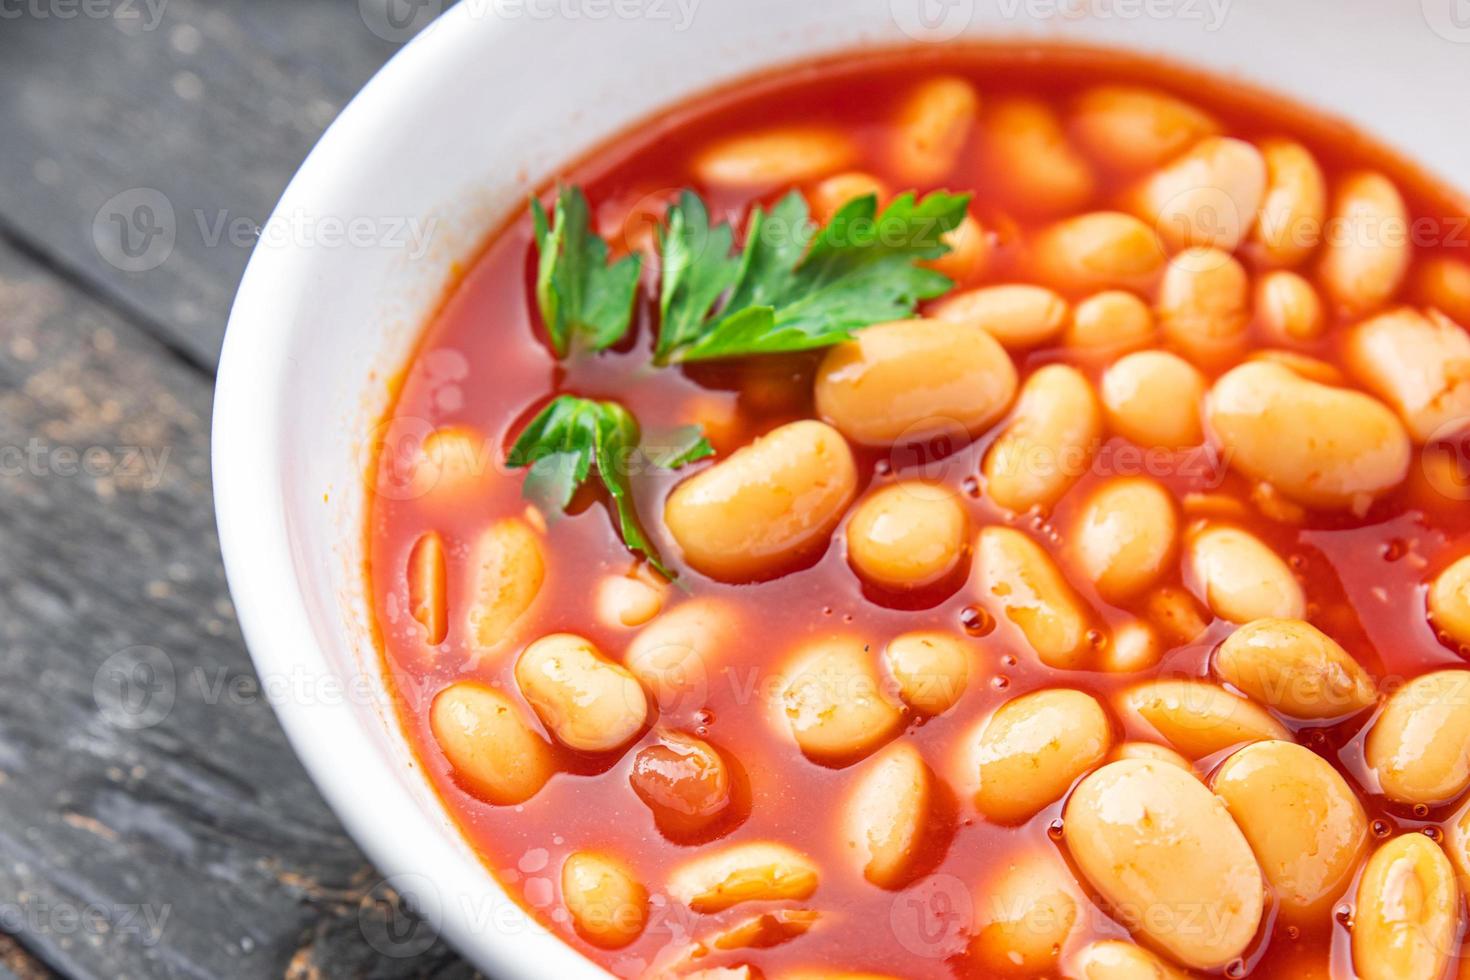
(153, 820)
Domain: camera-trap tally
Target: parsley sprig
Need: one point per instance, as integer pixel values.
(572, 435)
(583, 300)
(791, 286)
(796, 287)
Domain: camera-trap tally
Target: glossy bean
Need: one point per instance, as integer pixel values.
(1151, 398)
(1125, 536)
(1407, 917)
(1048, 444)
(1019, 316)
(766, 506)
(1419, 747)
(1208, 196)
(1295, 668)
(1130, 129)
(1100, 250)
(930, 669)
(586, 701)
(908, 535)
(757, 871)
(1366, 258)
(428, 598)
(1322, 446)
(933, 125)
(1108, 324)
(885, 817)
(1240, 578)
(1304, 823)
(507, 569)
(1030, 752)
(1418, 363)
(1449, 601)
(674, 655)
(1289, 227)
(1024, 915)
(774, 157)
(608, 906)
(1022, 585)
(1034, 165)
(1198, 718)
(1204, 305)
(1289, 308)
(913, 380)
(833, 702)
(1163, 851)
(685, 782)
(491, 750)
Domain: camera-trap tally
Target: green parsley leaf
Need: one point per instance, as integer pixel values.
(583, 300)
(797, 287)
(570, 436)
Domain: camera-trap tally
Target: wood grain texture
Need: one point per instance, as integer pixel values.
(155, 821)
(210, 103)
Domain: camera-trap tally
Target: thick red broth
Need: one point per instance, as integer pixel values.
(992, 879)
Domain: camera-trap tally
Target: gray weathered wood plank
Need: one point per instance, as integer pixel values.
(209, 103)
(151, 824)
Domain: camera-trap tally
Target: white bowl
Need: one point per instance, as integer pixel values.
(450, 137)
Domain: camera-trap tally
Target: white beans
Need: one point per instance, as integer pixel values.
(588, 702)
(1408, 912)
(1033, 748)
(1449, 601)
(1108, 324)
(752, 872)
(1113, 959)
(1420, 745)
(673, 655)
(1295, 668)
(492, 751)
(1131, 128)
(1367, 255)
(1027, 154)
(834, 704)
(908, 535)
(1100, 250)
(1150, 399)
(508, 569)
(929, 669)
(913, 380)
(932, 128)
(1049, 442)
(1204, 305)
(1164, 853)
(1289, 227)
(1199, 718)
(1289, 308)
(1208, 196)
(1303, 822)
(1240, 578)
(1126, 536)
(607, 904)
(1025, 916)
(774, 157)
(1419, 364)
(1322, 446)
(1024, 586)
(1019, 316)
(886, 816)
(428, 589)
(767, 506)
